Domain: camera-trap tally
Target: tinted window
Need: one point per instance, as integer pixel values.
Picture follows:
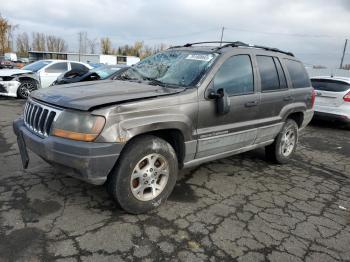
(281, 75)
(57, 68)
(235, 76)
(330, 85)
(268, 73)
(36, 66)
(297, 74)
(77, 66)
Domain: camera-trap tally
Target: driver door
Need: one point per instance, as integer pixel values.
(224, 133)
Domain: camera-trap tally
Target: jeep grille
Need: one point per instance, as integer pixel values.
(38, 117)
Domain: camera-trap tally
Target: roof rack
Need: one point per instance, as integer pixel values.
(236, 44)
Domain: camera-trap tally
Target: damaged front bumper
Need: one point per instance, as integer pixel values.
(9, 88)
(88, 161)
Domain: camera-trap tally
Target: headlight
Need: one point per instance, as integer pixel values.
(78, 126)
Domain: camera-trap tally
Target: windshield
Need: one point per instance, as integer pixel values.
(105, 72)
(36, 66)
(174, 67)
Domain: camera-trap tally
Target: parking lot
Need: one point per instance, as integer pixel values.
(240, 208)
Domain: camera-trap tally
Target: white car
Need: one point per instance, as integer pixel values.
(40, 74)
(332, 98)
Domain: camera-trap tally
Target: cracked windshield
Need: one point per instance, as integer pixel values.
(172, 68)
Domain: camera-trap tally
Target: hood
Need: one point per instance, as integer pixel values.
(11, 72)
(87, 95)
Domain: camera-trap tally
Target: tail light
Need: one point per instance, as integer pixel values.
(346, 98)
(313, 97)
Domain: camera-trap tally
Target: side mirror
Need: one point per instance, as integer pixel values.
(222, 100)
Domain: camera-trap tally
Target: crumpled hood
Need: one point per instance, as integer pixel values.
(11, 72)
(87, 95)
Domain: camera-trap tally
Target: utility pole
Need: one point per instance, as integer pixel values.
(222, 35)
(342, 57)
(80, 40)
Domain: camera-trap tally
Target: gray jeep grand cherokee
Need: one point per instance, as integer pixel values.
(179, 108)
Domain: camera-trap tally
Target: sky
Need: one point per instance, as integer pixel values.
(314, 30)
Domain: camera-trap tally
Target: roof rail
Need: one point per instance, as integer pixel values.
(236, 44)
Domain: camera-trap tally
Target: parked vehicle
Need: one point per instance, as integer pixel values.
(41, 74)
(332, 98)
(4, 63)
(179, 108)
(99, 73)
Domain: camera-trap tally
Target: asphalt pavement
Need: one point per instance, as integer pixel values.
(240, 208)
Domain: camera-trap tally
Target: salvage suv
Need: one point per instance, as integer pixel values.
(176, 109)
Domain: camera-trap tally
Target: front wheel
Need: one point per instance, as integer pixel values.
(285, 143)
(145, 174)
(26, 88)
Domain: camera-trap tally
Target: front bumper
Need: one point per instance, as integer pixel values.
(88, 161)
(9, 88)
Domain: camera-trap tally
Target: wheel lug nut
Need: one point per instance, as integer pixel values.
(146, 182)
(144, 175)
(151, 169)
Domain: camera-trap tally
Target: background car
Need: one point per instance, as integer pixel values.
(4, 63)
(332, 98)
(39, 74)
(99, 73)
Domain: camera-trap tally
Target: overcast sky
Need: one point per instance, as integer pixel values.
(315, 30)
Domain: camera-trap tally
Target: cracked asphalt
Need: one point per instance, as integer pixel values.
(241, 208)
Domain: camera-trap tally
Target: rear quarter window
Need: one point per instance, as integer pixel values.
(297, 73)
(330, 85)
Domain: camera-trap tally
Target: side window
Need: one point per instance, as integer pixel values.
(79, 67)
(281, 75)
(268, 73)
(57, 68)
(297, 74)
(235, 76)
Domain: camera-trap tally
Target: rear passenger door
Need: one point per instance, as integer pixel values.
(275, 95)
(300, 81)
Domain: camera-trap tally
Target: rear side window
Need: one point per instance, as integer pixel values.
(281, 75)
(297, 73)
(268, 73)
(329, 85)
(79, 67)
(235, 76)
(57, 68)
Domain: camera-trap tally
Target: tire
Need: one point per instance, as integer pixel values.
(279, 152)
(26, 87)
(145, 174)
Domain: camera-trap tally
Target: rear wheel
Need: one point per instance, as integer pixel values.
(285, 143)
(145, 174)
(26, 87)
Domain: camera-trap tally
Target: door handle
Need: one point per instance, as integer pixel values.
(251, 103)
(287, 98)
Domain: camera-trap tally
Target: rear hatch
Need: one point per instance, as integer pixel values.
(330, 92)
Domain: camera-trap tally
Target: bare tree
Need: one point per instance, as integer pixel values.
(6, 35)
(22, 44)
(55, 44)
(92, 44)
(38, 42)
(106, 46)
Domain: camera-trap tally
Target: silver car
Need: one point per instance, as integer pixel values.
(332, 98)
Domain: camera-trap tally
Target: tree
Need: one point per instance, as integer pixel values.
(6, 35)
(38, 42)
(22, 44)
(106, 46)
(55, 44)
(92, 44)
(346, 67)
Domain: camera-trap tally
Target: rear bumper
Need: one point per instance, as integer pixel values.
(341, 113)
(88, 161)
(330, 116)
